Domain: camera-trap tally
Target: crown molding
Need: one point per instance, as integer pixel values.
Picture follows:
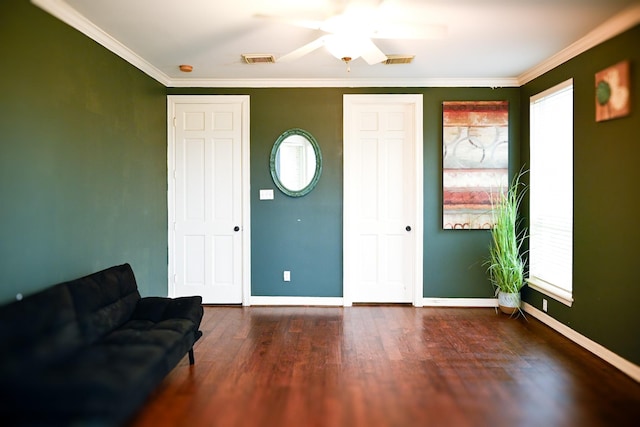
(616, 25)
(349, 83)
(61, 10)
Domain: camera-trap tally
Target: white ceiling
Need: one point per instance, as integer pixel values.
(488, 42)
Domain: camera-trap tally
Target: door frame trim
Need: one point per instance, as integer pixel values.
(416, 100)
(243, 100)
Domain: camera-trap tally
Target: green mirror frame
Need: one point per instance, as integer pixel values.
(273, 162)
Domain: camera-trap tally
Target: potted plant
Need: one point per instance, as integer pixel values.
(505, 262)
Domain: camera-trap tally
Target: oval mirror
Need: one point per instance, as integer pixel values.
(296, 162)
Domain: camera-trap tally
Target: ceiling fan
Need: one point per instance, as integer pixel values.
(350, 29)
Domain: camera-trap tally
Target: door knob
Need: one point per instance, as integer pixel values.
(408, 228)
(236, 228)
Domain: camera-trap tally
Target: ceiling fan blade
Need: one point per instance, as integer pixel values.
(302, 51)
(372, 54)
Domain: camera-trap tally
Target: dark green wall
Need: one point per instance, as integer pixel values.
(304, 235)
(82, 158)
(606, 204)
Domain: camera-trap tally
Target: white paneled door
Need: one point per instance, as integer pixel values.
(383, 199)
(207, 224)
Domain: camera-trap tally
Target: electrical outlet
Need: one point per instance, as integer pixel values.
(544, 305)
(286, 276)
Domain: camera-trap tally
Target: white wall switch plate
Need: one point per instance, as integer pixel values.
(286, 276)
(266, 194)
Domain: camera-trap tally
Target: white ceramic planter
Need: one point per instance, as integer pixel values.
(509, 303)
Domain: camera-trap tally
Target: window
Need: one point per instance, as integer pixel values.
(551, 192)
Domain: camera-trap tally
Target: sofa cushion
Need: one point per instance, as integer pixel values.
(156, 309)
(104, 300)
(100, 385)
(174, 336)
(104, 383)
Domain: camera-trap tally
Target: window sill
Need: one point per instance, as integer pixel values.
(551, 291)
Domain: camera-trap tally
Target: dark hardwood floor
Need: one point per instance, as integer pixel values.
(388, 366)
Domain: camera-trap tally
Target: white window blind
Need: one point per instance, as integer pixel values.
(551, 192)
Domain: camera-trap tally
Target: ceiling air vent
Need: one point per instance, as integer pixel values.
(258, 58)
(398, 59)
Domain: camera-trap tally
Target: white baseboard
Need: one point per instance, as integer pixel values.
(607, 355)
(460, 302)
(339, 301)
(302, 301)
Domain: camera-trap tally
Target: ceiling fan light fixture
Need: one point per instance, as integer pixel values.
(346, 46)
(258, 58)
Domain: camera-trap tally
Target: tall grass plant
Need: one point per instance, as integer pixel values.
(505, 262)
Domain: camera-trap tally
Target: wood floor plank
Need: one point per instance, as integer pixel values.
(387, 366)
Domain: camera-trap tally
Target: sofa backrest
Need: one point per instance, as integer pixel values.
(104, 300)
(51, 324)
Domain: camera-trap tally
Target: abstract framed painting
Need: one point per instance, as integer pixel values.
(475, 161)
(613, 92)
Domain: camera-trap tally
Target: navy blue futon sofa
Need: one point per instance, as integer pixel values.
(88, 352)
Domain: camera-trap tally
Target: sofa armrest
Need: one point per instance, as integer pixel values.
(157, 309)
